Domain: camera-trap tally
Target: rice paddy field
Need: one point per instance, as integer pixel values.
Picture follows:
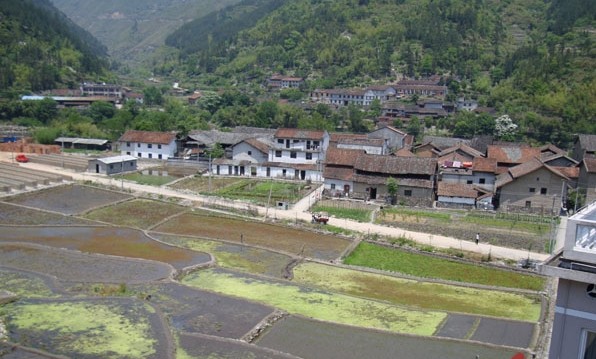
(95, 273)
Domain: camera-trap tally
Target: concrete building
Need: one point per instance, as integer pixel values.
(574, 327)
(148, 144)
(112, 165)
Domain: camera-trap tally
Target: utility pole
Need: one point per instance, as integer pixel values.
(209, 173)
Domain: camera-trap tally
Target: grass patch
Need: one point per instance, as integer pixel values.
(318, 304)
(413, 215)
(146, 179)
(357, 214)
(258, 191)
(536, 228)
(395, 260)
(422, 295)
(24, 285)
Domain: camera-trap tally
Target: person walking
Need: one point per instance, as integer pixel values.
(477, 237)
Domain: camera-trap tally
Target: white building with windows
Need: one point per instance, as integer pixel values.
(296, 154)
(574, 264)
(148, 144)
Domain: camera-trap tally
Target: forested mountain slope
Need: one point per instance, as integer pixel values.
(133, 29)
(40, 48)
(533, 59)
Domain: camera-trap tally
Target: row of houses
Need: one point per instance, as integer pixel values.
(448, 172)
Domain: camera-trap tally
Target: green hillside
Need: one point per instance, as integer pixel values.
(133, 30)
(42, 49)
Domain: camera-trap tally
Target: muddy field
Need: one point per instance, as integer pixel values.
(122, 242)
(70, 199)
(279, 238)
(137, 213)
(196, 346)
(16, 215)
(310, 339)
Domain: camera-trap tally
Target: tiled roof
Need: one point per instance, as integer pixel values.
(148, 137)
(391, 128)
(456, 190)
(342, 156)
(444, 142)
(299, 134)
(550, 150)
(587, 142)
(344, 174)
(461, 147)
(482, 164)
(338, 136)
(374, 142)
(512, 154)
(404, 152)
(396, 165)
(263, 147)
(524, 169)
(547, 157)
(569, 172)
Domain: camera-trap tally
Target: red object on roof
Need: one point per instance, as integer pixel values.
(22, 158)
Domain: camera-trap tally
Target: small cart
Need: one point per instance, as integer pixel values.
(320, 217)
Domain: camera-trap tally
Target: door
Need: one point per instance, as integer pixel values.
(373, 193)
(346, 188)
(96, 168)
(303, 175)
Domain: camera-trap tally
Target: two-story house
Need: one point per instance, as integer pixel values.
(148, 144)
(393, 137)
(247, 157)
(297, 154)
(574, 264)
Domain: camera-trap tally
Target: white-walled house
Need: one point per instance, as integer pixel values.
(148, 144)
(296, 154)
(247, 156)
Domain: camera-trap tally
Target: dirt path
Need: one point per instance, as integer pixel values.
(300, 211)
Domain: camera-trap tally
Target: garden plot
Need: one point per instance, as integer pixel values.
(311, 339)
(122, 242)
(16, 215)
(198, 311)
(278, 238)
(139, 213)
(79, 267)
(68, 199)
(110, 328)
(235, 256)
(194, 346)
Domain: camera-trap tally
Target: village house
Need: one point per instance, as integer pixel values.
(531, 187)
(394, 138)
(574, 325)
(415, 178)
(427, 88)
(584, 146)
(283, 82)
(297, 154)
(103, 89)
(339, 171)
(511, 155)
(457, 195)
(148, 144)
(112, 165)
(247, 157)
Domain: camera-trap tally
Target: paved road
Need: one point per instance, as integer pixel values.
(300, 211)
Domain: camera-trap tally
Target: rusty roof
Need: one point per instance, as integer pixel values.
(148, 137)
(338, 136)
(461, 148)
(396, 165)
(342, 156)
(404, 152)
(299, 134)
(590, 164)
(512, 154)
(456, 190)
(524, 169)
(261, 146)
(482, 164)
(344, 174)
(569, 172)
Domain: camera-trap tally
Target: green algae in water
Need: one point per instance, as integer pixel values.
(426, 295)
(317, 304)
(84, 328)
(24, 285)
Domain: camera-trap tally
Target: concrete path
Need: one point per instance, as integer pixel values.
(300, 212)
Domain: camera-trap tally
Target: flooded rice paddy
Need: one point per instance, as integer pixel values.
(90, 290)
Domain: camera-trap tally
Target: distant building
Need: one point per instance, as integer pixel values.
(103, 89)
(284, 82)
(148, 144)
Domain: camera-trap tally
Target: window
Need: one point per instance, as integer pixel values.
(151, 155)
(482, 180)
(277, 153)
(532, 189)
(469, 182)
(139, 155)
(280, 140)
(588, 345)
(159, 147)
(408, 193)
(159, 156)
(250, 153)
(149, 145)
(543, 190)
(128, 153)
(292, 154)
(127, 144)
(111, 167)
(528, 204)
(309, 156)
(333, 186)
(138, 145)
